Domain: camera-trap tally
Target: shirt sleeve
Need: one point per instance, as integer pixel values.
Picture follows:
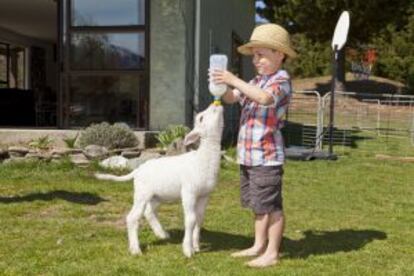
(279, 89)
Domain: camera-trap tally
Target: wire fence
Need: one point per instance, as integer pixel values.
(378, 123)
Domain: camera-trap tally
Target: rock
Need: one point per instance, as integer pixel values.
(115, 162)
(56, 156)
(39, 156)
(135, 163)
(79, 159)
(15, 160)
(13, 154)
(119, 151)
(95, 152)
(131, 154)
(65, 151)
(156, 150)
(17, 151)
(33, 155)
(4, 154)
(144, 157)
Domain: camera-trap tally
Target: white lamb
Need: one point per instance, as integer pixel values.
(191, 176)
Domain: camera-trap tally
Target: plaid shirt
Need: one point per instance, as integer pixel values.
(260, 141)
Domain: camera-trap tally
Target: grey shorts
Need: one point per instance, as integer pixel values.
(261, 188)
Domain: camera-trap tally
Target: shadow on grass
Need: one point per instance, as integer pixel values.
(313, 242)
(329, 242)
(74, 197)
(294, 134)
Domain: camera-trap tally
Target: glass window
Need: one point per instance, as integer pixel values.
(95, 99)
(20, 71)
(3, 65)
(108, 12)
(108, 51)
(16, 73)
(12, 66)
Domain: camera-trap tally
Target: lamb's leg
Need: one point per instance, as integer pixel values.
(151, 216)
(200, 209)
(133, 226)
(189, 221)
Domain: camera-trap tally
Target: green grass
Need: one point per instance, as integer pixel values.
(354, 216)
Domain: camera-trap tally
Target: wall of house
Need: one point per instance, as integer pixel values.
(170, 58)
(218, 20)
(21, 40)
(180, 46)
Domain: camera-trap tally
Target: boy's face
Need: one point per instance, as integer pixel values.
(267, 61)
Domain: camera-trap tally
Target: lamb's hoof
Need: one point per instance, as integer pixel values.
(135, 251)
(188, 252)
(196, 248)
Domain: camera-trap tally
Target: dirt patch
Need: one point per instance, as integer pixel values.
(116, 221)
(374, 85)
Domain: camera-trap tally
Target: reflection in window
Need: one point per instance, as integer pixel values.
(12, 66)
(108, 12)
(108, 51)
(96, 99)
(107, 58)
(3, 65)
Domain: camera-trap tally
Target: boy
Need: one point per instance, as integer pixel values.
(260, 148)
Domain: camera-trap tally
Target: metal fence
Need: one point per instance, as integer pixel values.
(359, 118)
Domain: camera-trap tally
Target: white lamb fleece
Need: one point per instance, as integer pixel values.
(190, 176)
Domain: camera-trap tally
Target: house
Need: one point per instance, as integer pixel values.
(65, 64)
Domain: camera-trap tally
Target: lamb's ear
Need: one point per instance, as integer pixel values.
(191, 137)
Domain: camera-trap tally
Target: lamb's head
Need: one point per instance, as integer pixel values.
(208, 125)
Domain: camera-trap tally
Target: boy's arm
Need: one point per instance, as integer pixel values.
(253, 92)
(230, 96)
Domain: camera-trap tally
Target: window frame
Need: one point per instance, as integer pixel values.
(68, 29)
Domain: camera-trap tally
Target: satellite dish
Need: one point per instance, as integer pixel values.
(341, 31)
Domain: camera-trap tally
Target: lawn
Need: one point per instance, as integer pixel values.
(353, 216)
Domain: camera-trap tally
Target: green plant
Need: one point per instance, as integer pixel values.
(171, 133)
(70, 141)
(335, 213)
(118, 135)
(41, 143)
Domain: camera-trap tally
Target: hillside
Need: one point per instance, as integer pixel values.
(376, 85)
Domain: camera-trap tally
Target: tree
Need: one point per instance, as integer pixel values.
(317, 19)
(314, 21)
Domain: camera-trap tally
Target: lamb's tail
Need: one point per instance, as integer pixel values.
(115, 177)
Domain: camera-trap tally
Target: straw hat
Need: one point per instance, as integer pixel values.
(269, 36)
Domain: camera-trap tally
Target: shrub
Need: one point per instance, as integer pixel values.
(396, 54)
(118, 135)
(71, 141)
(171, 133)
(314, 58)
(41, 143)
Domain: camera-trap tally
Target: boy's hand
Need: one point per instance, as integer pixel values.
(222, 77)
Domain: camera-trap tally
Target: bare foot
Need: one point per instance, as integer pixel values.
(263, 261)
(249, 252)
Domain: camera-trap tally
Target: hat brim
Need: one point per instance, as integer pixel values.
(246, 49)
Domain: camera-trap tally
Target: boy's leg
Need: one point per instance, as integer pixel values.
(275, 234)
(260, 238)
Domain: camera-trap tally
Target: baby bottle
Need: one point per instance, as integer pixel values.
(217, 61)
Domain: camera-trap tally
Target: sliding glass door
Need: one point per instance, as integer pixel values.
(104, 62)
